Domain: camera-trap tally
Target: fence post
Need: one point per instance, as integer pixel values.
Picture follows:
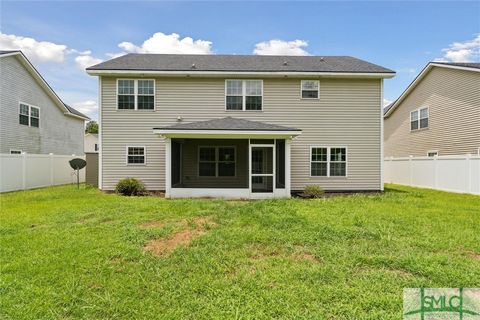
(410, 169)
(24, 170)
(469, 173)
(435, 172)
(51, 169)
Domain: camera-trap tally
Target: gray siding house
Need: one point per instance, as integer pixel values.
(240, 126)
(438, 114)
(33, 119)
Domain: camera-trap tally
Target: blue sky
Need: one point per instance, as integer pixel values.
(403, 36)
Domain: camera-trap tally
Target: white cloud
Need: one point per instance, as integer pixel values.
(88, 107)
(466, 51)
(386, 102)
(85, 61)
(37, 51)
(280, 47)
(169, 43)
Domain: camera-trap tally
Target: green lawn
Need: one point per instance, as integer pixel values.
(81, 254)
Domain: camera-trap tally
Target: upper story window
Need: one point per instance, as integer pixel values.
(310, 89)
(243, 95)
(135, 94)
(419, 119)
(328, 161)
(29, 115)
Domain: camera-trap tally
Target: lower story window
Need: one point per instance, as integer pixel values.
(12, 151)
(328, 161)
(136, 155)
(216, 161)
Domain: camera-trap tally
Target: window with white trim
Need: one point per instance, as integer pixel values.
(310, 89)
(12, 151)
(136, 155)
(328, 161)
(135, 94)
(243, 95)
(419, 119)
(216, 161)
(29, 115)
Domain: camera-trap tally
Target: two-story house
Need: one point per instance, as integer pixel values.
(33, 119)
(438, 113)
(240, 126)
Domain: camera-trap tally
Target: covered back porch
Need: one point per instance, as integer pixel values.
(227, 158)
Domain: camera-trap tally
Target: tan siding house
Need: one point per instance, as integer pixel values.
(448, 95)
(190, 140)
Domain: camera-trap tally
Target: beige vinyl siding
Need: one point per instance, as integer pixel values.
(347, 114)
(453, 99)
(57, 133)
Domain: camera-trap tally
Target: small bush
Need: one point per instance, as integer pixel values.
(313, 191)
(130, 187)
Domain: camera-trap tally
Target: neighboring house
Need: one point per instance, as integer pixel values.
(91, 142)
(33, 118)
(438, 114)
(241, 126)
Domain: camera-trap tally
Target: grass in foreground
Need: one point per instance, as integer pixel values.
(81, 254)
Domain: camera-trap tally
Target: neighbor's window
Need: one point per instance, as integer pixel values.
(244, 95)
(310, 89)
(419, 119)
(328, 162)
(432, 153)
(135, 155)
(216, 162)
(15, 151)
(135, 94)
(29, 115)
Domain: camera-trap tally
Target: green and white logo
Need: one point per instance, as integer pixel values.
(441, 303)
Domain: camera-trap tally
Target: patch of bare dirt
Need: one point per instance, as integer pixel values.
(165, 246)
(472, 254)
(305, 257)
(191, 229)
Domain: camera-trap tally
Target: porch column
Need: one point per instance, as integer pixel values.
(168, 167)
(288, 143)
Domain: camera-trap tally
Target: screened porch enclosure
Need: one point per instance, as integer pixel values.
(256, 165)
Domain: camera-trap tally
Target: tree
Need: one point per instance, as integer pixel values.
(92, 127)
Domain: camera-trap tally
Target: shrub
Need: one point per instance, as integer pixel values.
(130, 187)
(313, 191)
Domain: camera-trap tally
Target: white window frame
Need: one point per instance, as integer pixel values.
(432, 151)
(144, 156)
(217, 161)
(30, 106)
(301, 90)
(244, 95)
(328, 161)
(135, 94)
(419, 119)
(16, 151)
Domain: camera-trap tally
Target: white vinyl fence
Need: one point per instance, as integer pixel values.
(449, 173)
(28, 171)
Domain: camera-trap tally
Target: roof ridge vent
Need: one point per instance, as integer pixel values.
(322, 59)
(285, 63)
(194, 66)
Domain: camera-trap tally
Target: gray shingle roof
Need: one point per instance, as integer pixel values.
(239, 63)
(8, 51)
(475, 65)
(387, 108)
(227, 123)
(75, 111)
